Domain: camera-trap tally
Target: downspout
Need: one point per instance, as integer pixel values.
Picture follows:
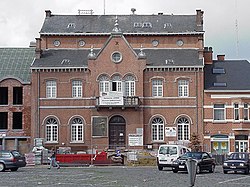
(38, 105)
(197, 105)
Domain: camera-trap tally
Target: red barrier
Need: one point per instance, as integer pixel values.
(83, 158)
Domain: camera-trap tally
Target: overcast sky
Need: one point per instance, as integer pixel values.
(21, 20)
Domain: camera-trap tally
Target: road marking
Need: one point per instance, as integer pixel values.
(234, 179)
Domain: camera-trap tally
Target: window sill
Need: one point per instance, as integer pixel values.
(77, 142)
(219, 121)
(51, 142)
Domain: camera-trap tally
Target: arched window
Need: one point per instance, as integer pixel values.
(51, 130)
(129, 85)
(157, 129)
(103, 84)
(76, 130)
(183, 129)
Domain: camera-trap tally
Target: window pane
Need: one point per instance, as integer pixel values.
(183, 88)
(157, 88)
(17, 120)
(77, 89)
(17, 95)
(51, 89)
(157, 129)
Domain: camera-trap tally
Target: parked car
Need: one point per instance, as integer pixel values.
(11, 160)
(203, 159)
(167, 153)
(237, 162)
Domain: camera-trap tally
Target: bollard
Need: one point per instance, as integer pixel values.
(191, 167)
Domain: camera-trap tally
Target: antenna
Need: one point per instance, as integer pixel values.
(237, 30)
(103, 7)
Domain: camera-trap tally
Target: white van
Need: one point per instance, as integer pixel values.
(167, 153)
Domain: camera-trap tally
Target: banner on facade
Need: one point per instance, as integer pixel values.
(170, 131)
(135, 140)
(111, 98)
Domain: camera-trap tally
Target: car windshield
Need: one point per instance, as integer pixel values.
(238, 156)
(192, 155)
(16, 154)
(168, 150)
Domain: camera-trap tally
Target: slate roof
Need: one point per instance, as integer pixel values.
(15, 63)
(81, 24)
(72, 58)
(236, 75)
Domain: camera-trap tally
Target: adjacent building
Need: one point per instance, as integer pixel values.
(226, 105)
(15, 102)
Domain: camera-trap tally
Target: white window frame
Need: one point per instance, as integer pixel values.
(157, 88)
(183, 128)
(51, 130)
(246, 112)
(77, 131)
(236, 112)
(219, 109)
(129, 86)
(51, 89)
(157, 129)
(183, 88)
(104, 84)
(76, 88)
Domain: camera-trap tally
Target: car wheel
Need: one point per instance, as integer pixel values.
(175, 170)
(224, 171)
(198, 169)
(2, 167)
(211, 170)
(247, 171)
(160, 168)
(14, 169)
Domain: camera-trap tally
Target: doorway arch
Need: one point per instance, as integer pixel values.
(117, 132)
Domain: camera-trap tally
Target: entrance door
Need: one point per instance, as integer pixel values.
(241, 143)
(241, 146)
(117, 132)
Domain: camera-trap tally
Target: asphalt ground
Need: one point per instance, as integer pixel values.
(113, 176)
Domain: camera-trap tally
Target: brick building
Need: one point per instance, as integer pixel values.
(226, 104)
(15, 103)
(127, 81)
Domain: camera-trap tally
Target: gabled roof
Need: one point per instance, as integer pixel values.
(78, 58)
(103, 24)
(236, 75)
(15, 63)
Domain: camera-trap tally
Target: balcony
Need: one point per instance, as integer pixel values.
(118, 102)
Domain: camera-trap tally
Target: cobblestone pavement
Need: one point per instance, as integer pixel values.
(116, 177)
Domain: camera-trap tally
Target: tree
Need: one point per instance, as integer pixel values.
(195, 143)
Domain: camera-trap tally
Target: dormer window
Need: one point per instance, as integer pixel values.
(71, 25)
(147, 25)
(167, 25)
(220, 84)
(219, 71)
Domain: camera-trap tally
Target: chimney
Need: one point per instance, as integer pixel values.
(220, 57)
(48, 13)
(38, 49)
(199, 18)
(208, 55)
